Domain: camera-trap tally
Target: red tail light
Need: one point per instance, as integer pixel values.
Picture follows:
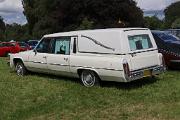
(126, 68)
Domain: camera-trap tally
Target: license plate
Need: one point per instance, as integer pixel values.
(147, 73)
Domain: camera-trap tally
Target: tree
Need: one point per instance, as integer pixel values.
(153, 23)
(86, 24)
(176, 23)
(2, 29)
(17, 32)
(172, 13)
(49, 16)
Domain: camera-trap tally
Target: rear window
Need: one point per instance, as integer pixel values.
(139, 42)
(21, 44)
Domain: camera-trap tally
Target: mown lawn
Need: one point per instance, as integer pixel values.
(44, 97)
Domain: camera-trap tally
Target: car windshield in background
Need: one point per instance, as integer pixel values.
(33, 43)
(21, 44)
(167, 37)
(139, 42)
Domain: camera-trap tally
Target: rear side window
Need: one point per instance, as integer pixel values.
(23, 44)
(139, 42)
(62, 45)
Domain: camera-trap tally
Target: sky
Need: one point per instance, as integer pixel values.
(154, 4)
(12, 10)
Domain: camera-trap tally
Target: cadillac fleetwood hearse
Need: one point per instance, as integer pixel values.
(121, 55)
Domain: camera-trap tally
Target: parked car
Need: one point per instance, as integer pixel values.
(175, 32)
(12, 47)
(121, 55)
(8, 47)
(169, 46)
(32, 43)
(24, 46)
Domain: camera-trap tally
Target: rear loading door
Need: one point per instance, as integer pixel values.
(142, 51)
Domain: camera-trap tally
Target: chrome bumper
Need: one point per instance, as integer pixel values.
(138, 74)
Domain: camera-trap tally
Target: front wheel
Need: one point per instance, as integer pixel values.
(20, 69)
(89, 78)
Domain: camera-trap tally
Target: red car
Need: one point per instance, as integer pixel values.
(12, 47)
(24, 46)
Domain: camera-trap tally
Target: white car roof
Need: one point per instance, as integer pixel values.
(74, 33)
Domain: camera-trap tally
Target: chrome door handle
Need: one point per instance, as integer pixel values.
(66, 59)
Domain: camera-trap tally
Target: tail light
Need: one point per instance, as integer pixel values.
(163, 62)
(126, 68)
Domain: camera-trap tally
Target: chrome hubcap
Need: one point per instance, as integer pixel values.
(19, 70)
(88, 79)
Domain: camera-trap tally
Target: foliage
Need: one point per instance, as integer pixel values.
(86, 24)
(176, 23)
(45, 97)
(172, 13)
(2, 29)
(49, 16)
(16, 32)
(153, 23)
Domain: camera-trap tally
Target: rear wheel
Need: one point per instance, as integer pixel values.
(20, 69)
(89, 78)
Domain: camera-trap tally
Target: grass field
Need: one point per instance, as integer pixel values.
(44, 97)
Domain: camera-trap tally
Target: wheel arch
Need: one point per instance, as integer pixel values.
(80, 70)
(16, 60)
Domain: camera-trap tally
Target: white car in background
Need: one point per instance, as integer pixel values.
(121, 55)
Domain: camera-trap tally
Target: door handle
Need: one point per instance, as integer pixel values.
(44, 57)
(66, 59)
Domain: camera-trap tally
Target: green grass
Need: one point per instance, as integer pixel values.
(45, 97)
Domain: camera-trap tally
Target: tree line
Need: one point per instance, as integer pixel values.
(171, 20)
(50, 16)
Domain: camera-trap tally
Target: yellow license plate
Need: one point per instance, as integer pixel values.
(147, 73)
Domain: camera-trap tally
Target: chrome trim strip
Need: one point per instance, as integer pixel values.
(135, 29)
(143, 51)
(39, 62)
(100, 53)
(98, 43)
(144, 68)
(57, 64)
(86, 67)
(96, 68)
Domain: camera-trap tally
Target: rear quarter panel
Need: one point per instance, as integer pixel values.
(108, 68)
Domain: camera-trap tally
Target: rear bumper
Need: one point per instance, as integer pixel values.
(138, 74)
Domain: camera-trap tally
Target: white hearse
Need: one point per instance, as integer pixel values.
(121, 55)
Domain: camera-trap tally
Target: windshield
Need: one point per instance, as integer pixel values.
(33, 43)
(140, 42)
(167, 37)
(21, 44)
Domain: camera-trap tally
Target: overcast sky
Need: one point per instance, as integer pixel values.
(154, 4)
(12, 10)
